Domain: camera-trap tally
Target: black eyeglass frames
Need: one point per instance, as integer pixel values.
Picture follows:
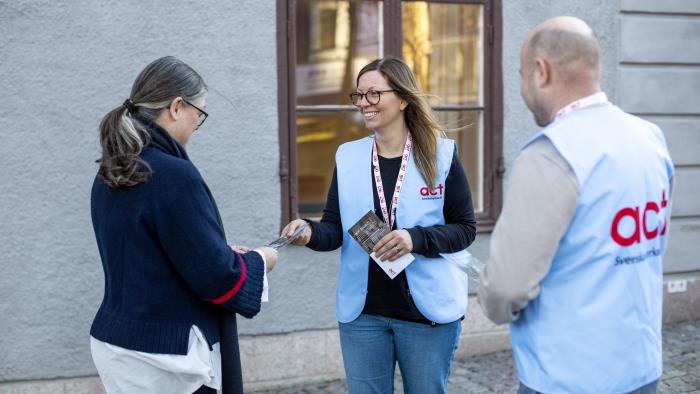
(203, 115)
(372, 96)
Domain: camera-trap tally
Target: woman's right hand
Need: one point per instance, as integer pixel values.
(270, 256)
(303, 238)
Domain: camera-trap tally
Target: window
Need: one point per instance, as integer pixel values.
(452, 46)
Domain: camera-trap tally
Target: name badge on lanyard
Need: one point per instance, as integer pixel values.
(389, 219)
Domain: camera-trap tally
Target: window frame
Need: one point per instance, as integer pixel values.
(393, 46)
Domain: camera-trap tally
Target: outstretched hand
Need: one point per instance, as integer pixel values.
(269, 253)
(303, 238)
(270, 256)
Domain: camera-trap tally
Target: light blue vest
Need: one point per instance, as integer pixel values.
(596, 325)
(438, 286)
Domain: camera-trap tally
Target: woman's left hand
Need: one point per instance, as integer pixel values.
(240, 248)
(394, 245)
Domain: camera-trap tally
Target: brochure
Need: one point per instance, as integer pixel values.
(284, 241)
(367, 232)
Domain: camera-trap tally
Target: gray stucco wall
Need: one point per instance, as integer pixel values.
(519, 17)
(63, 66)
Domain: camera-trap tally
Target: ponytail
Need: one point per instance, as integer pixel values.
(122, 143)
(121, 135)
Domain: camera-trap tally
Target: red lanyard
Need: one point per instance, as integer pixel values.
(597, 98)
(389, 220)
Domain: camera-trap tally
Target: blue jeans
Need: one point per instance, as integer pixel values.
(372, 345)
(646, 389)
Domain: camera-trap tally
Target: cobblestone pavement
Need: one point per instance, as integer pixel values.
(495, 373)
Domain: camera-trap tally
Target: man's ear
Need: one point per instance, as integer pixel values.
(543, 72)
(175, 108)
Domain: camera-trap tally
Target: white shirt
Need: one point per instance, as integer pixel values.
(132, 372)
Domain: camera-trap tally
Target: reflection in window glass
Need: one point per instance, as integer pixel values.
(466, 128)
(335, 39)
(318, 137)
(443, 43)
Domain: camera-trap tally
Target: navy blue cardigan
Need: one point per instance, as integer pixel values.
(166, 261)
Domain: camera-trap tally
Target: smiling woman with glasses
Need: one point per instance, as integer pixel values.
(372, 97)
(167, 323)
(410, 176)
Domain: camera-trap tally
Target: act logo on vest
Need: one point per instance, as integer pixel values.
(435, 194)
(636, 220)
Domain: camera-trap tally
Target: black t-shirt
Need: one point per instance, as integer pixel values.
(391, 297)
(385, 296)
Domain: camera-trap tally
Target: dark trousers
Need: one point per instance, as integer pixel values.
(205, 390)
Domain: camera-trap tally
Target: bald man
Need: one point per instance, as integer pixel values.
(576, 255)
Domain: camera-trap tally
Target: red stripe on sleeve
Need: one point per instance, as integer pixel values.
(235, 288)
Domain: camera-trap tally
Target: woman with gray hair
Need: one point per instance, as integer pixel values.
(170, 276)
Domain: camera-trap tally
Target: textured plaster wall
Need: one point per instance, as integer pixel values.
(519, 17)
(63, 65)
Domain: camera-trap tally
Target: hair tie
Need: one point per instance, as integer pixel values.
(129, 105)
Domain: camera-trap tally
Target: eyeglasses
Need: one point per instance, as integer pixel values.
(203, 115)
(372, 96)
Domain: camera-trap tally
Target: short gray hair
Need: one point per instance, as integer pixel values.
(571, 52)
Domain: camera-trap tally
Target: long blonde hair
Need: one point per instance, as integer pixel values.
(419, 117)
